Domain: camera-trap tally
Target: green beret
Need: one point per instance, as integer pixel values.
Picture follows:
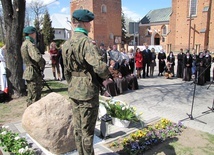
(29, 30)
(83, 15)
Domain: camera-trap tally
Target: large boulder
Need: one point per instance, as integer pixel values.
(49, 122)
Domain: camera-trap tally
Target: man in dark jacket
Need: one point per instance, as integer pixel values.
(147, 57)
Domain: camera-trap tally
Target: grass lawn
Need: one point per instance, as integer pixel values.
(12, 111)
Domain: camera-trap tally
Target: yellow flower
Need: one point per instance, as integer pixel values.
(125, 141)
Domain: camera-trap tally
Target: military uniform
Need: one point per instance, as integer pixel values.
(82, 64)
(35, 65)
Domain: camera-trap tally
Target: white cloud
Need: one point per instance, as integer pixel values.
(130, 14)
(65, 10)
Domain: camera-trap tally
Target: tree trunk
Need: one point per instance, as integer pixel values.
(14, 14)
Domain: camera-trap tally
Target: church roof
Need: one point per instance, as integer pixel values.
(61, 21)
(156, 16)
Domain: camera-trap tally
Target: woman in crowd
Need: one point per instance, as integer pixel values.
(61, 62)
(208, 61)
(110, 87)
(54, 56)
(171, 62)
(153, 62)
(121, 82)
(162, 64)
(138, 62)
(131, 55)
(127, 74)
(200, 67)
(187, 67)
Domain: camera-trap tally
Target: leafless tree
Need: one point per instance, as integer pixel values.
(13, 16)
(37, 9)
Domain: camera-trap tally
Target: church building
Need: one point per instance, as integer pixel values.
(192, 25)
(187, 24)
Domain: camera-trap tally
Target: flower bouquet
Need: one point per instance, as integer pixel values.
(121, 110)
(13, 143)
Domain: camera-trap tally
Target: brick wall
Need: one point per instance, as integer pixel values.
(149, 38)
(211, 27)
(180, 26)
(105, 25)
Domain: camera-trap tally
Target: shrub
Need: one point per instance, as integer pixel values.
(13, 143)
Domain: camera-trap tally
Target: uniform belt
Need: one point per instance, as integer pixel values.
(79, 74)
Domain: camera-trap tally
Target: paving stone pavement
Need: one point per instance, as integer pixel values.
(157, 98)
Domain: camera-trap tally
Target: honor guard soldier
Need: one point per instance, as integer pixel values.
(35, 64)
(83, 65)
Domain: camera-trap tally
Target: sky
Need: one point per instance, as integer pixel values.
(134, 9)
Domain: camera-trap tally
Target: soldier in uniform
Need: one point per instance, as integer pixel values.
(82, 65)
(35, 65)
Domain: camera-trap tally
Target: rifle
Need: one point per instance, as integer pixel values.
(100, 84)
(44, 83)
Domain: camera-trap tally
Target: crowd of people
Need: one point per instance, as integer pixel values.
(121, 67)
(190, 66)
(193, 66)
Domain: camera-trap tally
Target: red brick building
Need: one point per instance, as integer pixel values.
(195, 31)
(173, 28)
(154, 27)
(106, 27)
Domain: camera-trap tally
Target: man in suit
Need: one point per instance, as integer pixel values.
(147, 57)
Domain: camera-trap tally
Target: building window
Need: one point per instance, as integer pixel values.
(103, 8)
(193, 7)
(164, 30)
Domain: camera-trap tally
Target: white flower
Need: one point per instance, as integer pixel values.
(17, 137)
(4, 133)
(26, 148)
(123, 108)
(5, 127)
(22, 150)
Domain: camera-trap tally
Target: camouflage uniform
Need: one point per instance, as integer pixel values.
(35, 65)
(82, 63)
